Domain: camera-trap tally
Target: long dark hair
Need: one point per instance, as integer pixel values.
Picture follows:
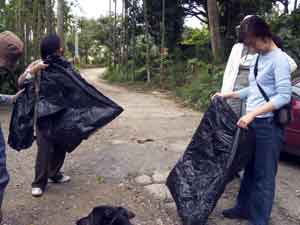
(278, 41)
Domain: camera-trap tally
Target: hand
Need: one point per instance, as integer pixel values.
(36, 67)
(14, 97)
(217, 94)
(245, 120)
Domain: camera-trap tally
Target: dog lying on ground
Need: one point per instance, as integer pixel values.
(107, 215)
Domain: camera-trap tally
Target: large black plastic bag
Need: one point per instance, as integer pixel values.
(218, 150)
(107, 215)
(69, 109)
(21, 135)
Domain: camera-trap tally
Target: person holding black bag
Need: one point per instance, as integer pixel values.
(267, 112)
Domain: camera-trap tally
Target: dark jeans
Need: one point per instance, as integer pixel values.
(4, 177)
(257, 190)
(50, 159)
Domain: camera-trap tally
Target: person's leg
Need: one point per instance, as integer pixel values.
(4, 177)
(56, 163)
(268, 144)
(44, 152)
(241, 209)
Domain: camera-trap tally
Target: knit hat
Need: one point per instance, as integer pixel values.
(11, 49)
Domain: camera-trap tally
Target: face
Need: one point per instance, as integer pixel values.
(259, 45)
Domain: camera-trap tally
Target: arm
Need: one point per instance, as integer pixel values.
(33, 69)
(292, 63)
(6, 99)
(231, 69)
(10, 99)
(283, 84)
(241, 94)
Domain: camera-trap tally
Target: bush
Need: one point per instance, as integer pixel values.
(287, 28)
(198, 90)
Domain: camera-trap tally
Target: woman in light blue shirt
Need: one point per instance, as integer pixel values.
(256, 195)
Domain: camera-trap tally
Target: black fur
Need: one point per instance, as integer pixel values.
(107, 215)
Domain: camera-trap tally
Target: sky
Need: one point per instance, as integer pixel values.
(96, 8)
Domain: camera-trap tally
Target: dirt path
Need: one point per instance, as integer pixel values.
(149, 136)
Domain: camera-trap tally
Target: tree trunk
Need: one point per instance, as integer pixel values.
(296, 4)
(110, 60)
(115, 34)
(147, 41)
(214, 27)
(162, 47)
(133, 47)
(126, 38)
(60, 21)
(286, 6)
(49, 16)
(26, 34)
(35, 49)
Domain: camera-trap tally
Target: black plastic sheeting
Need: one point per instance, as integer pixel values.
(21, 124)
(107, 215)
(218, 151)
(69, 109)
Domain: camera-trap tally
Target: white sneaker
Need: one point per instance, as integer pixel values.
(36, 192)
(63, 179)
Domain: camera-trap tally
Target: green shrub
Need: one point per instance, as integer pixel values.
(198, 90)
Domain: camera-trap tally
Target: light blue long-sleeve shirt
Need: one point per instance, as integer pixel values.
(274, 76)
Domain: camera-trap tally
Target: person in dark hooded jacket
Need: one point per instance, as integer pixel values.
(50, 157)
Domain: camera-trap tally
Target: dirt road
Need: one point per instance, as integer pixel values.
(149, 136)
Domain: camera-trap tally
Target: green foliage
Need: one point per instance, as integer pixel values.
(196, 36)
(174, 21)
(206, 80)
(287, 28)
(196, 43)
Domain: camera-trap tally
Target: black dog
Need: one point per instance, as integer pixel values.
(107, 215)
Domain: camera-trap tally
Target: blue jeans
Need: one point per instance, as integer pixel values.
(4, 178)
(257, 189)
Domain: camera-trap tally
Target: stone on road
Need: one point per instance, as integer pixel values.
(159, 192)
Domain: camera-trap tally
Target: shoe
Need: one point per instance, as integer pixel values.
(62, 179)
(36, 192)
(234, 213)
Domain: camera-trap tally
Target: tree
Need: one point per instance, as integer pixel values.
(174, 20)
(147, 41)
(162, 46)
(60, 21)
(214, 27)
(49, 16)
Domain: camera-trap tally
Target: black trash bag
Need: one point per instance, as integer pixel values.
(69, 109)
(21, 133)
(218, 151)
(107, 215)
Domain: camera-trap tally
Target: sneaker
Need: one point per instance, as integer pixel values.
(36, 192)
(62, 179)
(234, 213)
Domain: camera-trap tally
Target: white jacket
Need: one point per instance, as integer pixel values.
(233, 64)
